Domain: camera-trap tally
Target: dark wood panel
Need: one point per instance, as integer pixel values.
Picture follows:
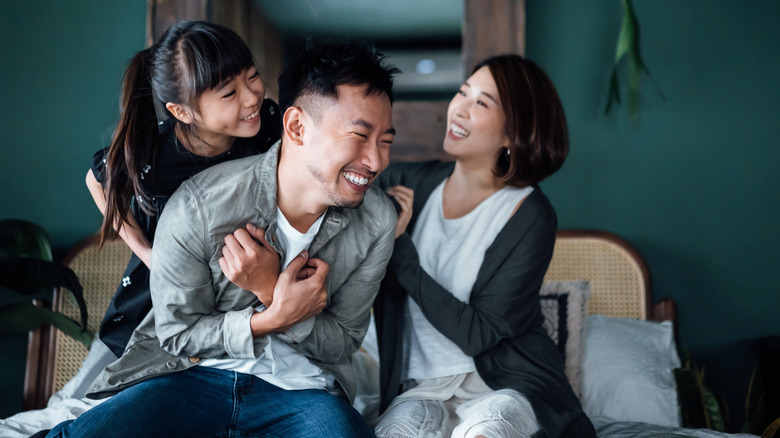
(260, 35)
(163, 14)
(492, 27)
(420, 129)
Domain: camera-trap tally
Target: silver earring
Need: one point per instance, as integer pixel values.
(508, 152)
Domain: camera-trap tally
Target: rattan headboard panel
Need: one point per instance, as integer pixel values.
(617, 275)
(99, 272)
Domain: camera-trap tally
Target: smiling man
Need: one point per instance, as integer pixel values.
(252, 334)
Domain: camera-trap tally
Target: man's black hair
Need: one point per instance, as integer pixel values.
(320, 68)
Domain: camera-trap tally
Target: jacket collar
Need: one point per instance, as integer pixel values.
(265, 170)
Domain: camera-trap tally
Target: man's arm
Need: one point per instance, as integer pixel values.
(184, 294)
(300, 293)
(339, 330)
(198, 312)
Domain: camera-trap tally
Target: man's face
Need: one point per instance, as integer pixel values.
(349, 143)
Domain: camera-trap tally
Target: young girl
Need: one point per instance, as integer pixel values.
(463, 352)
(193, 100)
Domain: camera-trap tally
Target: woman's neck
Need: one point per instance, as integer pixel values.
(466, 188)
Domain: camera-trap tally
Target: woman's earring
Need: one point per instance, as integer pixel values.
(507, 152)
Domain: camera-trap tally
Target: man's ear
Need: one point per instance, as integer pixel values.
(180, 112)
(293, 124)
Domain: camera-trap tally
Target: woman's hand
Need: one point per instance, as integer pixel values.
(249, 261)
(404, 196)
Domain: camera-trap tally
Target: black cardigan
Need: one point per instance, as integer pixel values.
(501, 326)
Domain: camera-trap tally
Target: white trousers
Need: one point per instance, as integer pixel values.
(470, 409)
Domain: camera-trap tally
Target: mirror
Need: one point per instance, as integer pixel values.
(423, 39)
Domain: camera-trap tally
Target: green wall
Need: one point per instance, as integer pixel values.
(689, 183)
(61, 64)
(692, 183)
(60, 74)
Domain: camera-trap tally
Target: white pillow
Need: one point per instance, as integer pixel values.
(627, 370)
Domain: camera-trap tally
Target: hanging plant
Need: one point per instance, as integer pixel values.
(628, 44)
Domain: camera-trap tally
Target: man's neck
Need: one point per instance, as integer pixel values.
(294, 195)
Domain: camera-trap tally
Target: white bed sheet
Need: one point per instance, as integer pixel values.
(67, 404)
(70, 402)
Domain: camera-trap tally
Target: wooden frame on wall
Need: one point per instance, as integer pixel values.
(490, 27)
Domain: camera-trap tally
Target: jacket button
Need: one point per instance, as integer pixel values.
(194, 359)
(170, 364)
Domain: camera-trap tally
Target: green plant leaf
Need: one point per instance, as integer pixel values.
(23, 317)
(24, 239)
(712, 408)
(628, 44)
(26, 268)
(29, 277)
(689, 398)
(614, 91)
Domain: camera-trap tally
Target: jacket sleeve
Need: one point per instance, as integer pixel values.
(505, 306)
(339, 330)
(184, 295)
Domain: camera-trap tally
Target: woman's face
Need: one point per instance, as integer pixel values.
(231, 109)
(476, 125)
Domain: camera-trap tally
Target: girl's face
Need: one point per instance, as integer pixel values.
(231, 109)
(476, 125)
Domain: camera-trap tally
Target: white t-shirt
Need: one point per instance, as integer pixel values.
(451, 252)
(279, 364)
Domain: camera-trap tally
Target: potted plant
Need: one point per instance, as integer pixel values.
(27, 270)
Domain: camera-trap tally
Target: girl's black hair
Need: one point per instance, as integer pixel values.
(191, 57)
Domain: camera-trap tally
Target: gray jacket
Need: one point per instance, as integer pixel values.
(198, 313)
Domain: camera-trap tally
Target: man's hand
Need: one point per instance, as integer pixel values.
(300, 293)
(249, 261)
(404, 196)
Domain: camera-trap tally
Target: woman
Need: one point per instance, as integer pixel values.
(193, 100)
(463, 352)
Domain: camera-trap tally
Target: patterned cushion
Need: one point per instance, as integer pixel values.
(564, 306)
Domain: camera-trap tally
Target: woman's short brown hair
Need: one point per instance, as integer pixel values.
(535, 122)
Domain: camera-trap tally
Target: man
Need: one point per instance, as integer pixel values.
(232, 346)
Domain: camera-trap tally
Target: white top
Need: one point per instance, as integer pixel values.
(451, 252)
(279, 364)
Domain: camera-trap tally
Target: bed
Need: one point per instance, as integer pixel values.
(619, 344)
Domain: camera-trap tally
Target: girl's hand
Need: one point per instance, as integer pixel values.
(404, 196)
(249, 261)
(301, 291)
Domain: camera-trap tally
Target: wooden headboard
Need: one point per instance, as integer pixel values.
(618, 276)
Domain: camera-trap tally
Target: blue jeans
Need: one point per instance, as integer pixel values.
(206, 402)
